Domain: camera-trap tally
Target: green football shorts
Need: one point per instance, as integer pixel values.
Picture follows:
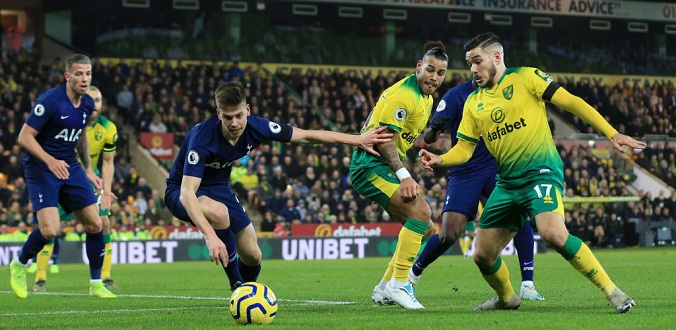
(377, 183)
(510, 208)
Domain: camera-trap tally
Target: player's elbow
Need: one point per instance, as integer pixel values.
(430, 136)
(21, 140)
(184, 195)
(567, 101)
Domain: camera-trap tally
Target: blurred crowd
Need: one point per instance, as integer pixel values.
(303, 184)
(633, 108)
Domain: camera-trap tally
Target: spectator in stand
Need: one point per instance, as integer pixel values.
(156, 125)
(143, 187)
(5, 192)
(276, 202)
(290, 213)
(141, 232)
(125, 100)
(263, 192)
(666, 215)
(656, 214)
(598, 220)
(159, 201)
(670, 203)
(125, 234)
(182, 129)
(121, 168)
(14, 169)
(140, 203)
(312, 211)
(131, 180)
(21, 233)
(5, 235)
(281, 228)
(301, 208)
(249, 183)
(120, 190)
(279, 179)
(153, 213)
(268, 223)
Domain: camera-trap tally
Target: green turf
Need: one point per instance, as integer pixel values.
(157, 296)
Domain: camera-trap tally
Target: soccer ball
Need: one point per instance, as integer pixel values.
(253, 303)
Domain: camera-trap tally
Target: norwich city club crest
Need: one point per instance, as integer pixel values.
(98, 136)
(508, 91)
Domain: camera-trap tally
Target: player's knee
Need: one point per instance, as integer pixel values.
(218, 216)
(452, 231)
(554, 239)
(49, 233)
(483, 260)
(252, 257)
(422, 213)
(447, 239)
(93, 228)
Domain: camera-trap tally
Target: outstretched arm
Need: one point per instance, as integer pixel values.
(459, 154)
(366, 141)
(586, 112)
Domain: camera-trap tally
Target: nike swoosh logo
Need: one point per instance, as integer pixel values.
(64, 117)
(528, 263)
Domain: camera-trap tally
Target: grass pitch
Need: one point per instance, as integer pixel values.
(336, 294)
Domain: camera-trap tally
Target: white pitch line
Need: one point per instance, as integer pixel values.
(292, 301)
(98, 311)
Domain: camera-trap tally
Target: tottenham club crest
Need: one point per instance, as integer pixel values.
(441, 106)
(400, 114)
(193, 157)
(275, 128)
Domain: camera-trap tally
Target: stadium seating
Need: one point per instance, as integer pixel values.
(150, 93)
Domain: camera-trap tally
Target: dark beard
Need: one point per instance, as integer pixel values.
(490, 81)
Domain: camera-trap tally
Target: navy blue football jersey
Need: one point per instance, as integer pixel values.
(447, 118)
(59, 124)
(206, 154)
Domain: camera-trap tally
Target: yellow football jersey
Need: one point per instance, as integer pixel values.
(512, 119)
(102, 137)
(403, 108)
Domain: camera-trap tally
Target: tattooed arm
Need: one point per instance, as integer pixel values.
(388, 152)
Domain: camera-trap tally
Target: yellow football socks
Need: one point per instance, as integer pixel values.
(390, 268)
(107, 258)
(410, 239)
(580, 256)
(497, 277)
(43, 261)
